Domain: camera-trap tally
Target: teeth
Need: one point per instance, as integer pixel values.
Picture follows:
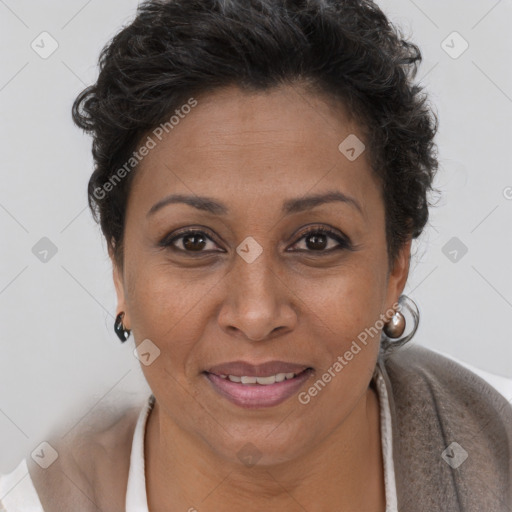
(264, 381)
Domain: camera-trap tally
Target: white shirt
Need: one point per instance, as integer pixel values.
(17, 492)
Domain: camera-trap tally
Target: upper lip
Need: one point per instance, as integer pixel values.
(243, 368)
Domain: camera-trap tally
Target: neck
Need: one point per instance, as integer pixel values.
(344, 472)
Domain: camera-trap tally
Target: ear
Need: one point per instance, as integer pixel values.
(117, 276)
(398, 275)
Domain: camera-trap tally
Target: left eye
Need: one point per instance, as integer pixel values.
(317, 240)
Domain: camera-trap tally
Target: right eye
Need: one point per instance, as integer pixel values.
(191, 241)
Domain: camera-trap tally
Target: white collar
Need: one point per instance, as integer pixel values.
(136, 497)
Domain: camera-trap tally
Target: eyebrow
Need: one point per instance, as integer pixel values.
(290, 206)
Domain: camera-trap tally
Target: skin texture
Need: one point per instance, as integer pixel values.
(293, 303)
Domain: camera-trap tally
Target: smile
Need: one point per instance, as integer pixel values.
(249, 391)
(263, 381)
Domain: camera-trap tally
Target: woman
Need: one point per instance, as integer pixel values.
(261, 169)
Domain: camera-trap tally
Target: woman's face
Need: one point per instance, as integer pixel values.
(252, 285)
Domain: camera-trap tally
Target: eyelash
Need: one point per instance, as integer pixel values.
(344, 243)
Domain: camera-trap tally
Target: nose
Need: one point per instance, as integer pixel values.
(258, 305)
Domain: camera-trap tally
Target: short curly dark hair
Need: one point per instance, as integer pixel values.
(346, 49)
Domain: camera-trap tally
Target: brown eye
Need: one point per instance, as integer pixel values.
(323, 240)
(317, 241)
(189, 241)
(194, 241)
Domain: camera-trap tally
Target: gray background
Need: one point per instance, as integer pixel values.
(60, 358)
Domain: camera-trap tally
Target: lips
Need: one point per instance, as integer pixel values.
(242, 368)
(237, 382)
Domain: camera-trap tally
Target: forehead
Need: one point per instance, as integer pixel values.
(238, 145)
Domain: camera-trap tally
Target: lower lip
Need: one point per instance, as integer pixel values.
(253, 396)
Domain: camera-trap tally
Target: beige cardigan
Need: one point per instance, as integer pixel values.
(434, 402)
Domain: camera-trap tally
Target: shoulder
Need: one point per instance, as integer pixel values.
(17, 491)
(90, 469)
(447, 413)
(501, 384)
(419, 372)
(418, 359)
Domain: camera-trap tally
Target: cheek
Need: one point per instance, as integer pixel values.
(169, 307)
(164, 295)
(343, 310)
(347, 300)
(344, 313)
